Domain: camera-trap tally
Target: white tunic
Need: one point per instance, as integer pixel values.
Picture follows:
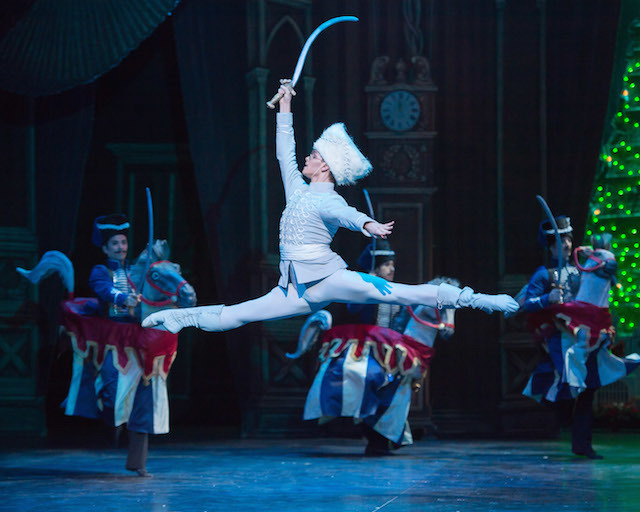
(312, 215)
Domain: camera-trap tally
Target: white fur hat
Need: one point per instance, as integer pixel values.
(345, 161)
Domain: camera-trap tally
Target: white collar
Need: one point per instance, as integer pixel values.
(321, 186)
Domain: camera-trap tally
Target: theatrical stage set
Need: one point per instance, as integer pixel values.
(468, 342)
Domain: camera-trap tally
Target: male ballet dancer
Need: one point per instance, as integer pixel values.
(311, 274)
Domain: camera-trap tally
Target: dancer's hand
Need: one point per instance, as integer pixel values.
(377, 230)
(287, 93)
(132, 300)
(556, 296)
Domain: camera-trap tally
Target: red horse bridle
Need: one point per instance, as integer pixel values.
(440, 325)
(599, 261)
(172, 296)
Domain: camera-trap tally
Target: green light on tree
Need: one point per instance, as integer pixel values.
(615, 200)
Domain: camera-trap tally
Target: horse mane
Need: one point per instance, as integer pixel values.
(159, 251)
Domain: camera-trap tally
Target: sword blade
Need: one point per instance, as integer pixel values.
(143, 278)
(367, 198)
(556, 233)
(307, 45)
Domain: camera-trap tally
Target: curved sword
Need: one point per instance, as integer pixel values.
(303, 55)
(554, 224)
(370, 206)
(143, 277)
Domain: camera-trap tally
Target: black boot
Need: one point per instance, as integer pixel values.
(378, 445)
(581, 428)
(137, 453)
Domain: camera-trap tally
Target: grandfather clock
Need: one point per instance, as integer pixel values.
(400, 136)
(400, 121)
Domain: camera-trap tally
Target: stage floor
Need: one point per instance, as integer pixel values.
(328, 475)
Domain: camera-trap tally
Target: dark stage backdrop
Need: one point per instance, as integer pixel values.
(580, 48)
(186, 84)
(461, 41)
(63, 137)
(580, 39)
(208, 77)
(61, 128)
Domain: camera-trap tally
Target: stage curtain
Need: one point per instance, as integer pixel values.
(64, 125)
(207, 62)
(58, 44)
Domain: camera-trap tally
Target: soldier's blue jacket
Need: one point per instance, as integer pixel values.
(539, 286)
(101, 282)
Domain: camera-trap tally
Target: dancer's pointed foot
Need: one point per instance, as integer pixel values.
(452, 296)
(501, 302)
(206, 318)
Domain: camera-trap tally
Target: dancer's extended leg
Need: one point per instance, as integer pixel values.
(341, 286)
(359, 288)
(275, 305)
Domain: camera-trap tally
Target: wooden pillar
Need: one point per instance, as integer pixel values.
(22, 412)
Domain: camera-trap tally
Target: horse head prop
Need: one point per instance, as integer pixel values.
(427, 323)
(597, 273)
(165, 286)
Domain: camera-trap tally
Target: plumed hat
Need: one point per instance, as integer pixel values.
(378, 255)
(545, 231)
(106, 226)
(345, 161)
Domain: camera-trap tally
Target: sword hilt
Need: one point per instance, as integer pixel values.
(276, 99)
(278, 96)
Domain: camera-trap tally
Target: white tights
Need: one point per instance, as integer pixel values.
(341, 286)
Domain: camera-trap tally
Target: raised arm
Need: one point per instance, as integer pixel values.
(286, 145)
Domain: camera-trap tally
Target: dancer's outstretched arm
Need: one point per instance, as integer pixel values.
(286, 146)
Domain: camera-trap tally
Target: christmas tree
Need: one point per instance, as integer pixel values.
(615, 202)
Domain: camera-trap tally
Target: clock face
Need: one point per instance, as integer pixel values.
(400, 111)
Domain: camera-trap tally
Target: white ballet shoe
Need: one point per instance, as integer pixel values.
(206, 318)
(453, 297)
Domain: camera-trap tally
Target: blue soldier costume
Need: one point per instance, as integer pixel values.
(537, 299)
(112, 286)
